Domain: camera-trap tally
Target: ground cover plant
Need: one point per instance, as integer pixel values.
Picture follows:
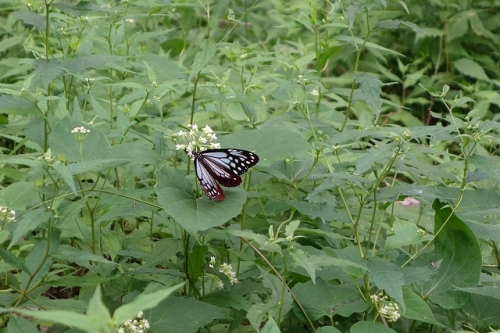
(373, 205)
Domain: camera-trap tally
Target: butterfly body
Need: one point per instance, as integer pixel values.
(221, 166)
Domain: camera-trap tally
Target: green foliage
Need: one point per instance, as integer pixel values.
(374, 205)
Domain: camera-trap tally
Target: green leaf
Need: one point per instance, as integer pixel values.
(380, 154)
(285, 143)
(20, 325)
(326, 299)
(325, 55)
(370, 327)
(394, 24)
(471, 68)
(85, 323)
(62, 141)
(417, 308)
(81, 64)
(143, 302)
(19, 195)
(48, 70)
(33, 19)
(65, 174)
(17, 105)
(227, 299)
(487, 165)
(97, 309)
(38, 263)
(12, 260)
(29, 222)
(327, 329)
(175, 195)
(482, 309)
(182, 315)
(203, 57)
(302, 260)
(282, 299)
(405, 233)
(323, 210)
(370, 88)
(82, 258)
(270, 327)
(458, 248)
(388, 277)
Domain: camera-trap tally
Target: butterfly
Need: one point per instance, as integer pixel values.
(221, 166)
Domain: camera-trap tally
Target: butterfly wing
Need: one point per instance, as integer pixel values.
(223, 166)
(207, 181)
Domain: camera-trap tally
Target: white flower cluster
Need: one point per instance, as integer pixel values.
(80, 130)
(388, 310)
(136, 325)
(196, 140)
(227, 270)
(7, 214)
(211, 264)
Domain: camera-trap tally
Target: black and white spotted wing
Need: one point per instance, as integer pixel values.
(222, 166)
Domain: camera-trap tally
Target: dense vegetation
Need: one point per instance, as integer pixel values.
(373, 206)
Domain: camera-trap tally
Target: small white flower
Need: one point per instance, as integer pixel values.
(211, 263)
(314, 92)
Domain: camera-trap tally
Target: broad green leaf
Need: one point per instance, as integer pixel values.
(90, 324)
(48, 70)
(482, 309)
(29, 222)
(175, 195)
(97, 309)
(487, 165)
(18, 196)
(82, 258)
(65, 174)
(92, 146)
(327, 299)
(471, 68)
(490, 291)
(258, 313)
(20, 325)
(417, 308)
(388, 277)
(227, 299)
(325, 55)
(301, 259)
(379, 154)
(88, 280)
(142, 302)
(371, 89)
(405, 233)
(485, 231)
(38, 263)
(183, 315)
(370, 327)
(323, 210)
(95, 165)
(270, 327)
(12, 260)
(32, 19)
(327, 329)
(285, 143)
(458, 248)
(81, 64)
(281, 298)
(17, 105)
(394, 24)
(203, 56)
